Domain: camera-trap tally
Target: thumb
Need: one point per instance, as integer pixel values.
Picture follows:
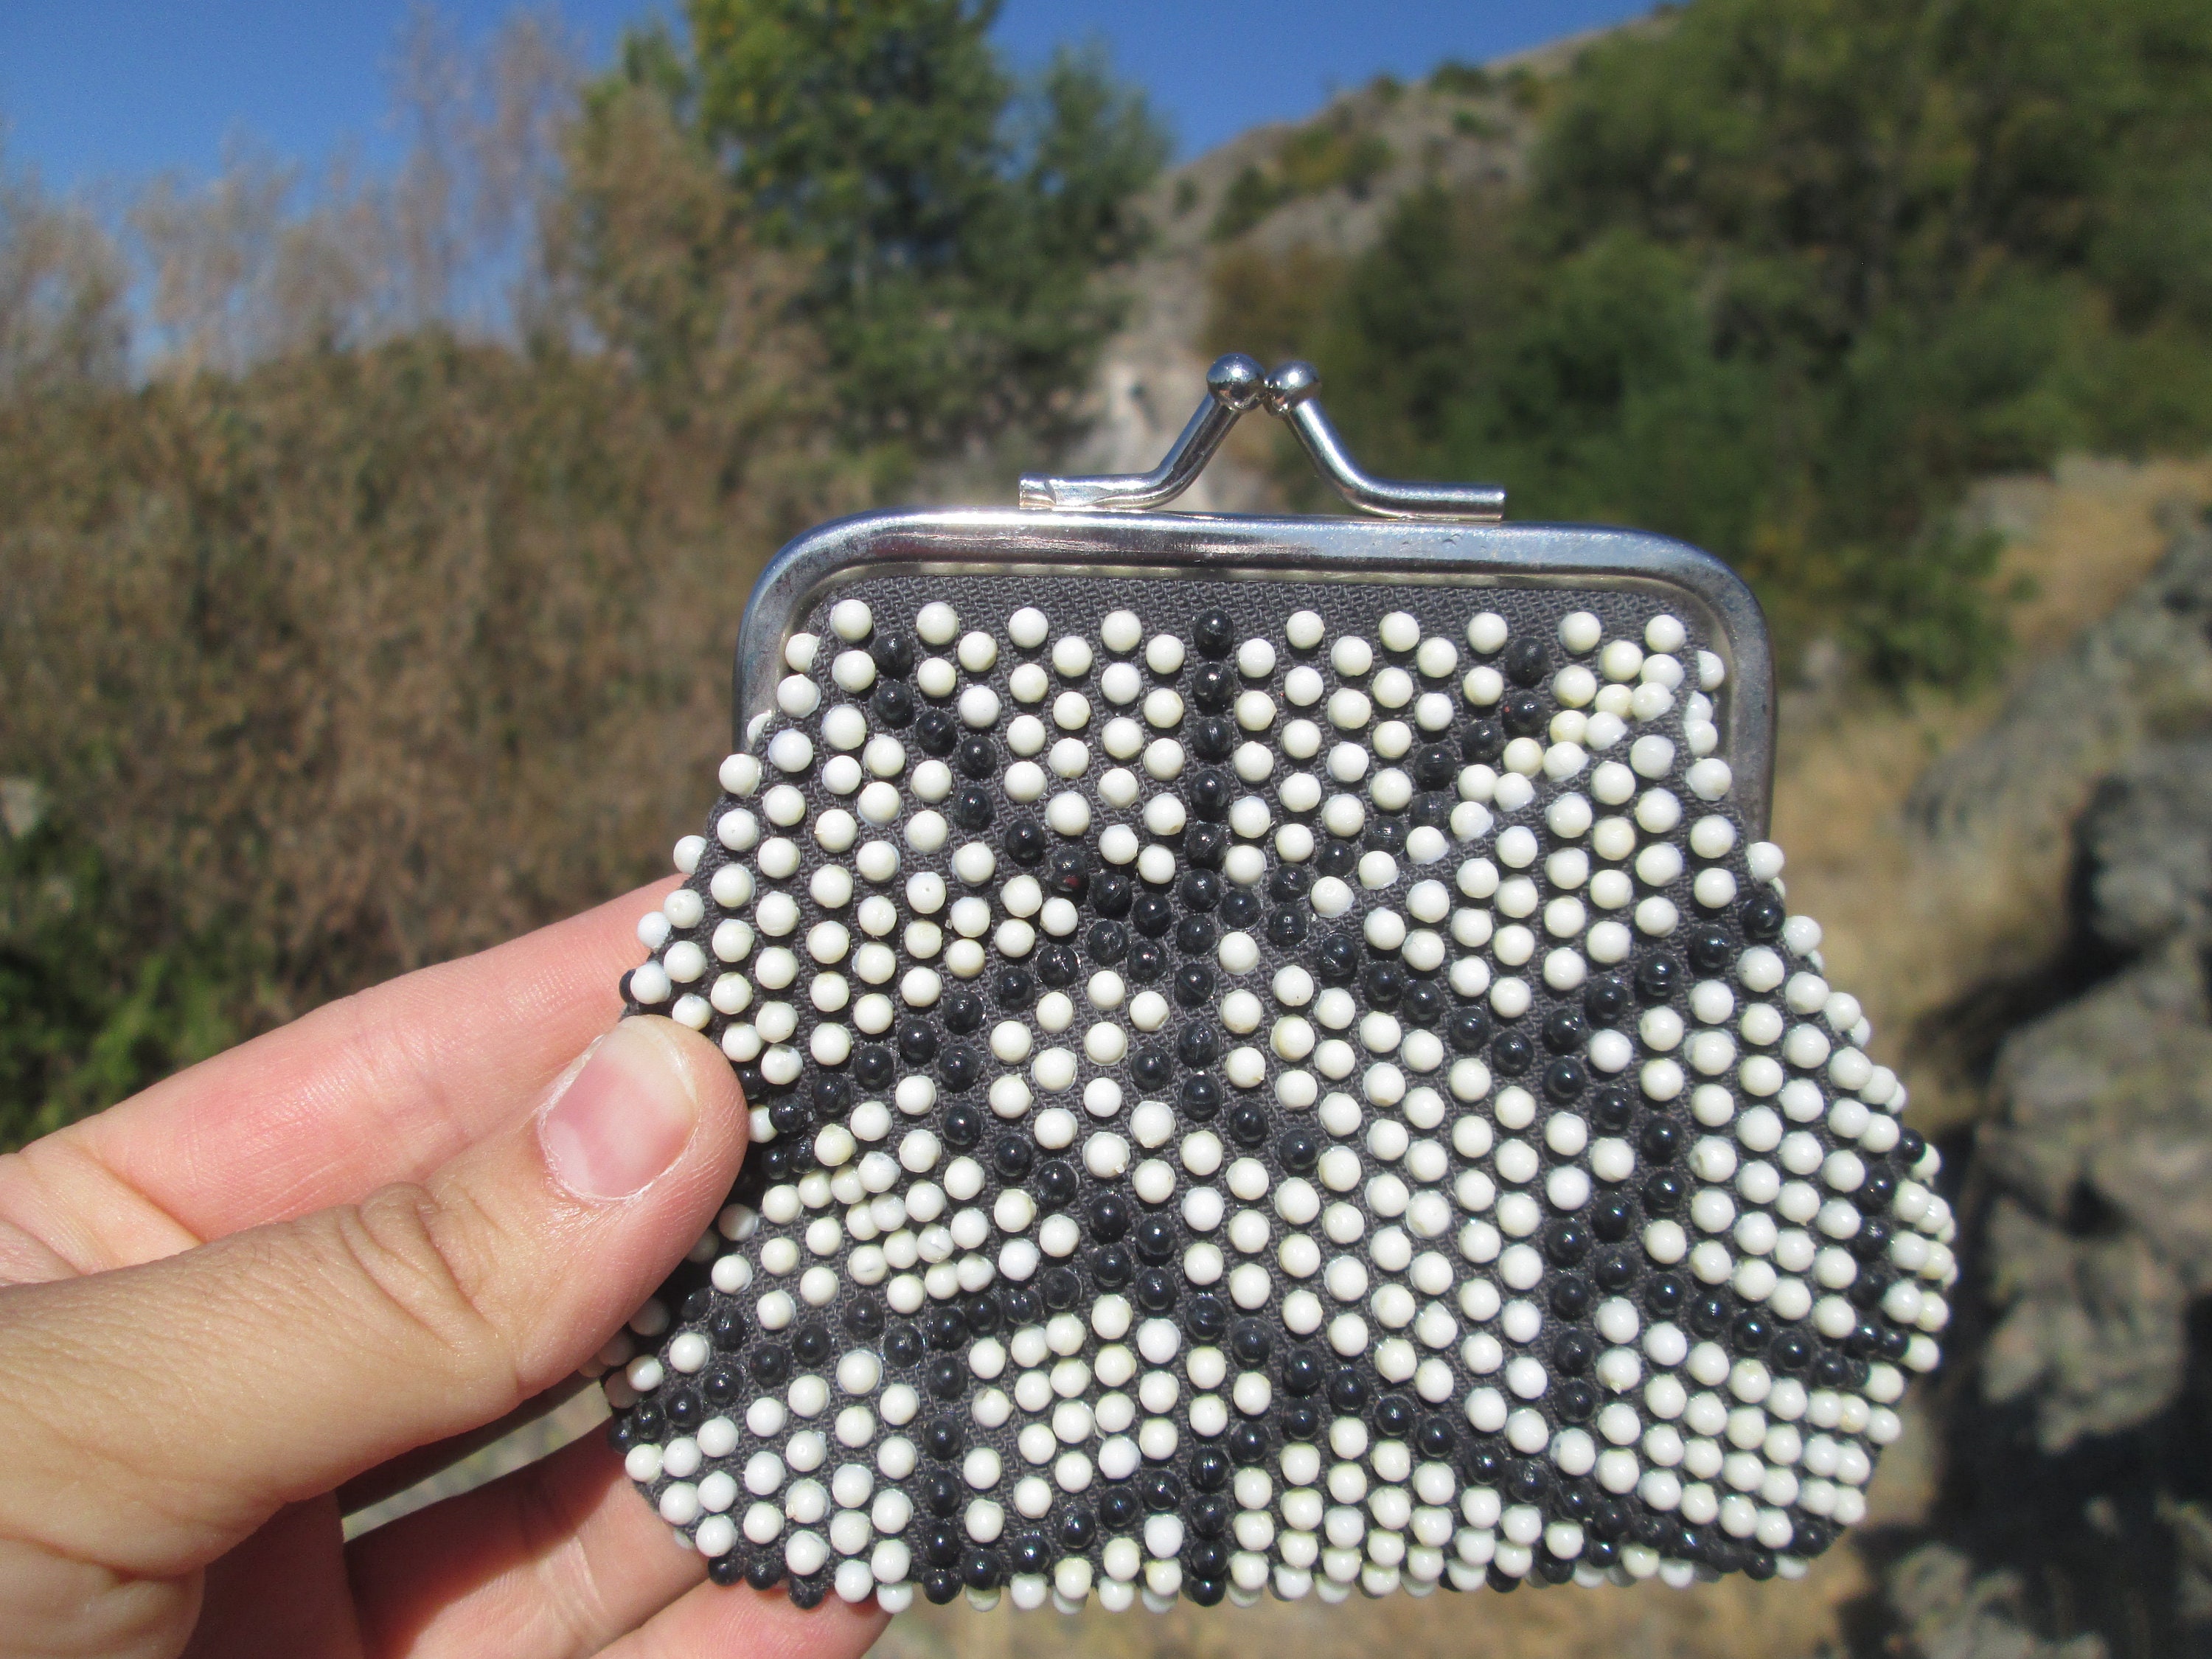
(182, 1402)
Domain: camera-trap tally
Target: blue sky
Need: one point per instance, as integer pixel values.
(92, 89)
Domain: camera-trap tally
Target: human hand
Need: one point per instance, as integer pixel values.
(382, 1227)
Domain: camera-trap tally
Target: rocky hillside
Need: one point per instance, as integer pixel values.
(1319, 186)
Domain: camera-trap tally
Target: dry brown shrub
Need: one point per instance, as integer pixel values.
(366, 659)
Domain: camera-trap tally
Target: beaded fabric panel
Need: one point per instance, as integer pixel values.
(1265, 1086)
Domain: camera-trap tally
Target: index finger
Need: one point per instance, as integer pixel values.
(385, 1086)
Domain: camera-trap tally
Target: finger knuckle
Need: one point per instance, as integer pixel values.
(407, 1249)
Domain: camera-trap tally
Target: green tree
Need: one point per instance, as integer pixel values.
(959, 224)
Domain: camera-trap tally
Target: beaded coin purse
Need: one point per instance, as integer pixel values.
(1279, 1061)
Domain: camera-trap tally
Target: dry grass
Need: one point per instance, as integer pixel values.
(1909, 929)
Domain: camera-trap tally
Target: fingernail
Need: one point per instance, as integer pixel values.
(623, 1119)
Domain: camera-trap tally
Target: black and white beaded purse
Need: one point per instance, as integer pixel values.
(1279, 1061)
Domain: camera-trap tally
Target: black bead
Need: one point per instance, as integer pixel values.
(1565, 1030)
(971, 806)
(1286, 926)
(1658, 977)
(1338, 858)
(1791, 1351)
(1511, 1055)
(963, 1015)
(1434, 766)
(726, 1330)
(1384, 983)
(1011, 1155)
(1709, 1313)
(1207, 1317)
(943, 1440)
(1469, 1028)
(1155, 1289)
(1611, 1219)
(1147, 962)
(1750, 1332)
(1057, 966)
(1110, 893)
(1385, 836)
(1156, 1238)
(684, 1412)
(864, 1317)
(1871, 1242)
(1570, 1294)
(1201, 1096)
(1199, 889)
(1910, 1148)
(1107, 941)
(1211, 688)
(1060, 1288)
(981, 1312)
(1528, 1481)
(1248, 1442)
(934, 732)
(1151, 1069)
(1240, 908)
(1482, 742)
(1661, 1140)
(1525, 660)
(726, 1569)
(1710, 948)
(902, 1344)
(1762, 919)
(1078, 1531)
(1299, 1150)
(1337, 960)
(1248, 1124)
(1394, 1417)
(917, 1040)
(765, 1572)
(1423, 1003)
(1664, 1295)
(722, 1385)
(1193, 985)
(1198, 1047)
(1301, 1420)
(650, 1421)
(1029, 1552)
(1565, 1080)
(980, 1569)
(1109, 1217)
(958, 1070)
(978, 758)
(1612, 1109)
(1212, 634)
(1111, 1267)
(1205, 845)
(770, 1366)
(946, 1326)
(1605, 1000)
(1209, 1470)
(1213, 738)
(1120, 1506)
(1663, 1192)
(894, 654)
(1523, 713)
(622, 1432)
(1302, 1372)
(1024, 841)
(1572, 1352)
(1068, 875)
(893, 704)
(1021, 1305)
(1194, 936)
(1056, 1184)
(1015, 987)
(1251, 1344)
(810, 1343)
(940, 1585)
(1289, 883)
(1152, 914)
(791, 1116)
(1347, 1391)
(1436, 1439)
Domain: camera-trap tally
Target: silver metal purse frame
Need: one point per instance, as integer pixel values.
(1430, 534)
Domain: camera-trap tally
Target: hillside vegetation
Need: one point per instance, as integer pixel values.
(1781, 278)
